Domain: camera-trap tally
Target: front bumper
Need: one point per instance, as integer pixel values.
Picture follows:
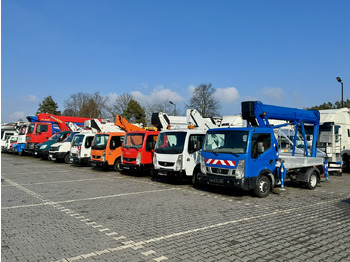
(170, 173)
(226, 181)
(138, 168)
(95, 163)
(80, 160)
(57, 155)
(41, 153)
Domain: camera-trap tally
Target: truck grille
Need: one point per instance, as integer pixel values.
(74, 155)
(129, 159)
(166, 163)
(96, 157)
(54, 148)
(221, 171)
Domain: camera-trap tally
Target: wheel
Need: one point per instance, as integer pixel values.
(263, 187)
(67, 158)
(194, 179)
(20, 153)
(312, 181)
(345, 162)
(117, 165)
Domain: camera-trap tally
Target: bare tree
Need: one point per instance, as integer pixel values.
(204, 101)
(86, 105)
(119, 105)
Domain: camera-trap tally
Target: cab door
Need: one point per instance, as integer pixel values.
(147, 158)
(262, 154)
(192, 156)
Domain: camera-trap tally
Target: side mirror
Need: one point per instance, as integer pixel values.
(260, 148)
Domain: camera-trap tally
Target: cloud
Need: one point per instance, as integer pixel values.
(228, 94)
(158, 95)
(272, 93)
(31, 99)
(17, 115)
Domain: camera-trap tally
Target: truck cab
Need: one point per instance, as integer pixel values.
(38, 133)
(138, 150)
(42, 150)
(80, 152)
(106, 150)
(61, 150)
(235, 157)
(177, 153)
(4, 138)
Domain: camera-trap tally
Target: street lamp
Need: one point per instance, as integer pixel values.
(174, 107)
(341, 82)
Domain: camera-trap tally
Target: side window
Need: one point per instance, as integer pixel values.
(41, 128)
(264, 139)
(195, 143)
(88, 141)
(116, 141)
(151, 142)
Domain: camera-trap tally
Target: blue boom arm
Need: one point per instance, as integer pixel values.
(257, 115)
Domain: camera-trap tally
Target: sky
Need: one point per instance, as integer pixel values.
(285, 53)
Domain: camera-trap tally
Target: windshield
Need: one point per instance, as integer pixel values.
(100, 141)
(226, 141)
(54, 137)
(31, 128)
(133, 141)
(70, 137)
(41, 128)
(78, 140)
(22, 130)
(170, 142)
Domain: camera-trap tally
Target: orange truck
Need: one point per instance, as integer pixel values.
(106, 147)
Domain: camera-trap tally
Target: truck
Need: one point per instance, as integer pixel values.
(42, 150)
(61, 150)
(80, 152)
(4, 138)
(48, 125)
(249, 157)
(138, 146)
(177, 150)
(106, 147)
(335, 138)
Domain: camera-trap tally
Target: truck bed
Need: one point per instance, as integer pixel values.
(291, 162)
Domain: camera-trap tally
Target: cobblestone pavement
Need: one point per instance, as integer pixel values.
(57, 212)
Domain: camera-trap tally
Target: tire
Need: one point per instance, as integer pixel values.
(312, 183)
(20, 153)
(117, 165)
(194, 179)
(67, 158)
(345, 162)
(263, 187)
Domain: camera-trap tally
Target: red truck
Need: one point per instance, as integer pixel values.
(138, 151)
(48, 125)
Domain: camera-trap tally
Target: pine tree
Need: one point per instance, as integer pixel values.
(48, 105)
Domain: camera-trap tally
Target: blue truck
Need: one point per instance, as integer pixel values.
(249, 158)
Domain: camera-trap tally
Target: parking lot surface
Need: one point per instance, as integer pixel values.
(58, 212)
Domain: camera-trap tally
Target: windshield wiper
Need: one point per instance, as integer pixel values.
(211, 151)
(228, 152)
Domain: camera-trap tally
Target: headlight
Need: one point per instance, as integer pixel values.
(240, 169)
(138, 159)
(203, 168)
(178, 165)
(103, 156)
(43, 146)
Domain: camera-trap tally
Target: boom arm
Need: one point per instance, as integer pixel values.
(257, 115)
(125, 125)
(195, 118)
(161, 121)
(61, 120)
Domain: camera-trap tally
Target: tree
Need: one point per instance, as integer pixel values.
(119, 105)
(48, 105)
(135, 113)
(204, 101)
(164, 107)
(86, 105)
(330, 105)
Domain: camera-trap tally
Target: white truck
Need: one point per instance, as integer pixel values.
(80, 151)
(334, 138)
(177, 150)
(4, 138)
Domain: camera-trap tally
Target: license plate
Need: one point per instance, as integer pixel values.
(126, 167)
(216, 181)
(162, 174)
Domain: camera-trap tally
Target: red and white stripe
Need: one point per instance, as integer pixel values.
(221, 162)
